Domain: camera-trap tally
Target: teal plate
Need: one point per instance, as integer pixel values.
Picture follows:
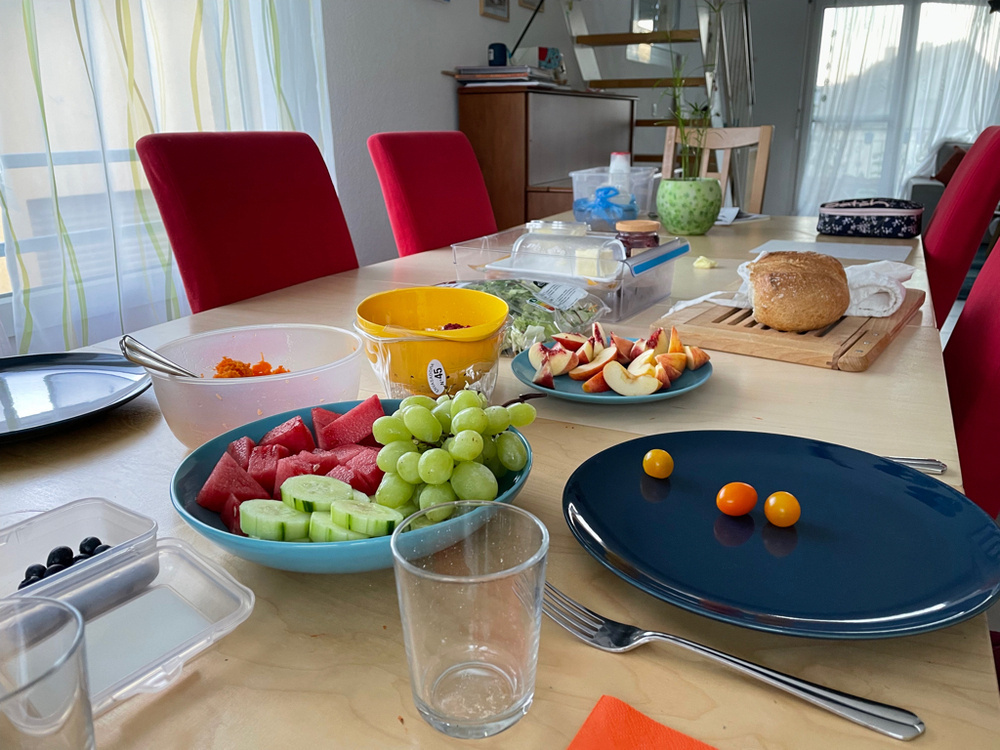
(303, 557)
(572, 390)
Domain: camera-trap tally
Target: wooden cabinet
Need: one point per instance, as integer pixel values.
(528, 140)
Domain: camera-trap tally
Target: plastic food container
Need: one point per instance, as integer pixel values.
(626, 285)
(149, 605)
(413, 348)
(324, 364)
(586, 206)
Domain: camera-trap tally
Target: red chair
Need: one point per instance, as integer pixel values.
(972, 365)
(961, 219)
(433, 188)
(246, 213)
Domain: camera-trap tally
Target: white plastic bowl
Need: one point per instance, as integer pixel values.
(324, 364)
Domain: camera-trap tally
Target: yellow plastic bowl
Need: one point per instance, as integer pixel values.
(405, 340)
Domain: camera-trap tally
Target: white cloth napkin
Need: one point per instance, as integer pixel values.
(876, 289)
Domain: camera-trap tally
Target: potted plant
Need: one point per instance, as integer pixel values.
(688, 204)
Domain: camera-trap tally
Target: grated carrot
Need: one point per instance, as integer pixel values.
(233, 368)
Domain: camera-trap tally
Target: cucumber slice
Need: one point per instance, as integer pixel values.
(408, 510)
(273, 520)
(368, 518)
(361, 497)
(309, 492)
(323, 529)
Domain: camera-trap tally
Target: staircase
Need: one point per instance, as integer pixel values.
(698, 47)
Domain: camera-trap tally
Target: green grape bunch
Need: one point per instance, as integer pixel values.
(451, 448)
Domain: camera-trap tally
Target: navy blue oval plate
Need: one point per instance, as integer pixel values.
(881, 550)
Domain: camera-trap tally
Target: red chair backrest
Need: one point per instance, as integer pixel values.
(972, 364)
(246, 212)
(960, 220)
(433, 188)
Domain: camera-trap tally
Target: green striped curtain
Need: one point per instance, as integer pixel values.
(85, 251)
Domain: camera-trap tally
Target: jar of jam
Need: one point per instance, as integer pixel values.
(638, 234)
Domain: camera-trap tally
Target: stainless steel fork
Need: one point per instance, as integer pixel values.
(608, 635)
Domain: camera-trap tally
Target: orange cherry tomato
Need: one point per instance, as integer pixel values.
(782, 509)
(736, 499)
(658, 463)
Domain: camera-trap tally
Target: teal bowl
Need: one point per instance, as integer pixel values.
(308, 557)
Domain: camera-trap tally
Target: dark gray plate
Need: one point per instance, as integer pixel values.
(40, 393)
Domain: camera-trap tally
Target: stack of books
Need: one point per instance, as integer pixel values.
(509, 75)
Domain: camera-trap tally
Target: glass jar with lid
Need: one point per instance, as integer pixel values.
(638, 234)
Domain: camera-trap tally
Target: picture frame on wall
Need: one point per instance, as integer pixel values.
(532, 4)
(498, 9)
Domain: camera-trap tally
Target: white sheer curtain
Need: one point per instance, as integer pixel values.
(893, 81)
(82, 81)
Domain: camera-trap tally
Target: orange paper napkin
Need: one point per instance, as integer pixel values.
(615, 725)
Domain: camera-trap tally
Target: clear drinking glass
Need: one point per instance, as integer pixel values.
(470, 597)
(43, 677)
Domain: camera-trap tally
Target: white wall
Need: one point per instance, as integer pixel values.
(384, 60)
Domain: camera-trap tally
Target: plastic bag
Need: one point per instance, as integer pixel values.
(539, 310)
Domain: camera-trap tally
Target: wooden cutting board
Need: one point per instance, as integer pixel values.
(850, 344)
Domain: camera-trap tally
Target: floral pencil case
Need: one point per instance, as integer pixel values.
(871, 217)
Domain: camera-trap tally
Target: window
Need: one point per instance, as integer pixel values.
(892, 81)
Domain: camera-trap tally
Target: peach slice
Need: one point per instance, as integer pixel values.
(668, 363)
(537, 352)
(624, 348)
(626, 384)
(561, 360)
(662, 374)
(586, 352)
(643, 364)
(675, 341)
(596, 384)
(677, 359)
(589, 370)
(570, 340)
(695, 356)
(658, 341)
(598, 332)
(543, 376)
(637, 348)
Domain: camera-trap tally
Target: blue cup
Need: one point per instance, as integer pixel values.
(497, 54)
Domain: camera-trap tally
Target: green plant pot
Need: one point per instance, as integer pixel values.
(689, 206)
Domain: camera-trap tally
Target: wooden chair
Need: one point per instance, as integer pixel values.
(246, 212)
(724, 140)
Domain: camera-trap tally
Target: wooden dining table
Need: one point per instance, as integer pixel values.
(320, 662)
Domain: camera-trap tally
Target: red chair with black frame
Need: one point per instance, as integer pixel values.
(433, 188)
(962, 217)
(246, 212)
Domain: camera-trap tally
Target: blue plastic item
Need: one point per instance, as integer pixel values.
(602, 212)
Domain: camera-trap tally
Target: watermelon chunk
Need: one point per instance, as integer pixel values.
(240, 450)
(345, 453)
(228, 478)
(354, 426)
(231, 514)
(264, 464)
(321, 418)
(344, 474)
(293, 434)
(367, 473)
(291, 466)
(324, 460)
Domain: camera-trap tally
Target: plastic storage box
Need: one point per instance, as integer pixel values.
(585, 199)
(627, 286)
(148, 605)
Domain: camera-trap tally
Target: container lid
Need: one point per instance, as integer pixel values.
(637, 225)
(147, 612)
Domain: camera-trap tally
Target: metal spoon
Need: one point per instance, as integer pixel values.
(141, 354)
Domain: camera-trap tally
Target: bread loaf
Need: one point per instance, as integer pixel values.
(798, 291)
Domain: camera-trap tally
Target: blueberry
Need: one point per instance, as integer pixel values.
(53, 569)
(28, 581)
(79, 558)
(59, 556)
(34, 571)
(88, 545)
(101, 548)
